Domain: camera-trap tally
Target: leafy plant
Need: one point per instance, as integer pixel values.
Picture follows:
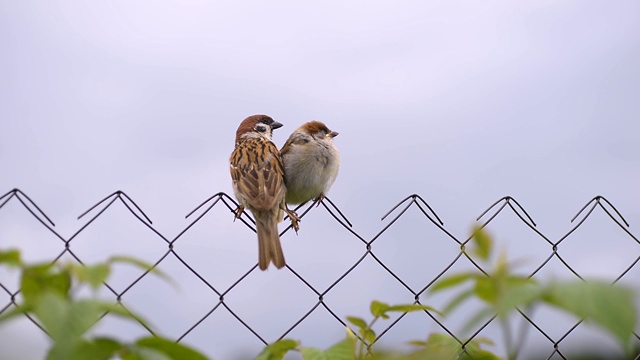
(609, 306)
(47, 291)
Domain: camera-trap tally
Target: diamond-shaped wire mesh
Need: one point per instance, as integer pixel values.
(209, 299)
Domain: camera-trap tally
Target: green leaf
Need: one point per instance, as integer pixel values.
(441, 346)
(451, 281)
(378, 309)
(458, 300)
(476, 319)
(358, 322)
(119, 310)
(344, 350)
(134, 352)
(483, 242)
(94, 275)
(139, 264)
(66, 321)
(170, 348)
(611, 307)
(405, 308)
(41, 279)
(368, 335)
(278, 349)
(11, 258)
(96, 349)
(445, 347)
(15, 311)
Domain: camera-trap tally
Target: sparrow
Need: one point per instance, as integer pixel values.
(311, 163)
(257, 173)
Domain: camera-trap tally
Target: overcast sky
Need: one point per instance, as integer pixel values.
(461, 102)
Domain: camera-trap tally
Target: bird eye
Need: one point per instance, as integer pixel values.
(261, 128)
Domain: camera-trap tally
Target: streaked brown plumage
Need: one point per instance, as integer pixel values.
(258, 183)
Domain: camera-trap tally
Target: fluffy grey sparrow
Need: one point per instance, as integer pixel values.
(311, 162)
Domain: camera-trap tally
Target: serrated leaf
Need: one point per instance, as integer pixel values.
(358, 322)
(378, 309)
(11, 257)
(611, 307)
(170, 348)
(277, 350)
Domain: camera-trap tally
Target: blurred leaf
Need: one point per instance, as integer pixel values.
(277, 350)
(144, 353)
(378, 309)
(476, 319)
(405, 308)
(65, 320)
(15, 311)
(445, 347)
(344, 350)
(94, 275)
(11, 257)
(170, 348)
(459, 299)
(368, 335)
(451, 281)
(483, 242)
(139, 264)
(96, 349)
(439, 346)
(610, 306)
(41, 279)
(358, 322)
(118, 310)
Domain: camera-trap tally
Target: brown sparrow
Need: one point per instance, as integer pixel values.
(311, 162)
(258, 183)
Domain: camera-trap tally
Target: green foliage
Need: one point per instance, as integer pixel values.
(502, 291)
(611, 307)
(47, 295)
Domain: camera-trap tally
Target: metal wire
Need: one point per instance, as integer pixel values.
(400, 209)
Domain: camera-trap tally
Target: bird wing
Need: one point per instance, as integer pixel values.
(257, 172)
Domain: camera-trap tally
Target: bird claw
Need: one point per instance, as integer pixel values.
(319, 199)
(295, 220)
(238, 212)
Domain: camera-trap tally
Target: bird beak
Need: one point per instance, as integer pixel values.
(332, 134)
(275, 125)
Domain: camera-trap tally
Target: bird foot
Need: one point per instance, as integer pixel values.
(319, 199)
(238, 212)
(295, 220)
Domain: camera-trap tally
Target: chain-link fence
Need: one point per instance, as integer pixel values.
(366, 249)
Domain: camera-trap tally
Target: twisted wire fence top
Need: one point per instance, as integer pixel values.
(221, 298)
